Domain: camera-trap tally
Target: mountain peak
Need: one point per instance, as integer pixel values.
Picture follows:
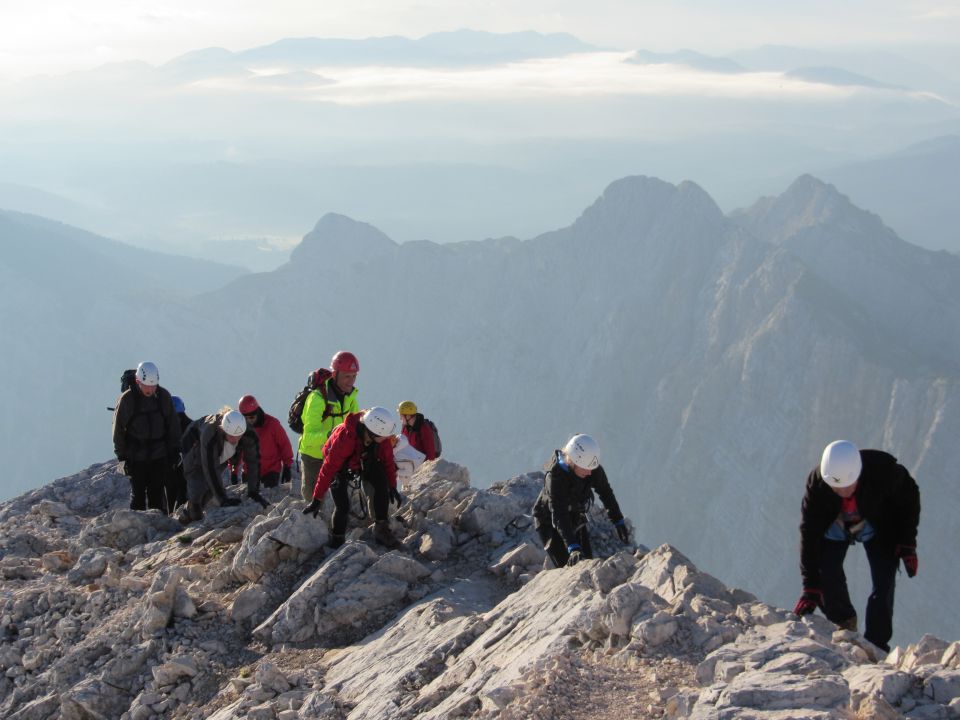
(338, 239)
(639, 203)
(808, 202)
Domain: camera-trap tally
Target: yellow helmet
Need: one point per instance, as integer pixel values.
(407, 407)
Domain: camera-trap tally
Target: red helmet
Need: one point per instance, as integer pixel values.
(248, 405)
(345, 361)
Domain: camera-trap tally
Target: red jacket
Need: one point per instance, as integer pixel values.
(275, 449)
(342, 451)
(420, 436)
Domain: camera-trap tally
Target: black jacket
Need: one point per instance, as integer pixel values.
(887, 497)
(564, 496)
(145, 428)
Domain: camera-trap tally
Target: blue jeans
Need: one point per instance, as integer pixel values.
(836, 598)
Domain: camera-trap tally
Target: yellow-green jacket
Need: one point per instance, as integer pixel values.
(321, 416)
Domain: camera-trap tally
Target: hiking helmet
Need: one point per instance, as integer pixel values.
(583, 451)
(234, 424)
(407, 407)
(248, 405)
(380, 421)
(840, 464)
(147, 374)
(178, 405)
(345, 361)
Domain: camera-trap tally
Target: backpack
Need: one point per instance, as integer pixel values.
(438, 446)
(128, 379)
(315, 381)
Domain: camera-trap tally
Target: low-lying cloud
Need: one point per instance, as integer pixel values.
(582, 75)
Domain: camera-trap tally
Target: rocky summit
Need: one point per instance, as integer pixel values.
(112, 613)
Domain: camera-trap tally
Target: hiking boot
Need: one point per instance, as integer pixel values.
(189, 513)
(383, 535)
(849, 624)
(336, 540)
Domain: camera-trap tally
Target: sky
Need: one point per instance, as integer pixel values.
(57, 36)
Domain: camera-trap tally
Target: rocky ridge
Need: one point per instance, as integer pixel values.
(111, 613)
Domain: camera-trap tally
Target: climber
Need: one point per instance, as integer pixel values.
(146, 435)
(560, 513)
(207, 445)
(276, 455)
(325, 408)
(862, 496)
(359, 448)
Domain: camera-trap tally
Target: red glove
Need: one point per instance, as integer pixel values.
(808, 602)
(908, 553)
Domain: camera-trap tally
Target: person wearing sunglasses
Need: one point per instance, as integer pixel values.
(276, 453)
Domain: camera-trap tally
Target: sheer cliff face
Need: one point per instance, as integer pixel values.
(712, 357)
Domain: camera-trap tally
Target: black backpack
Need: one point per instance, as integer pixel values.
(315, 381)
(437, 445)
(127, 380)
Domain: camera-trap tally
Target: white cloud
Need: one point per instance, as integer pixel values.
(584, 75)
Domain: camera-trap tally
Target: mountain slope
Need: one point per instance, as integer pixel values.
(110, 612)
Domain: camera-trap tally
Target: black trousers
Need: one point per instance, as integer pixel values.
(554, 544)
(836, 598)
(151, 483)
(372, 478)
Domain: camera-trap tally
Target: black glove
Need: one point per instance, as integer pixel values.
(396, 497)
(575, 557)
(285, 474)
(622, 532)
(264, 503)
(234, 477)
(230, 502)
(313, 508)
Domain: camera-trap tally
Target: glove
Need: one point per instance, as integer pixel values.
(122, 468)
(622, 532)
(396, 497)
(313, 508)
(908, 554)
(234, 477)
(575, 557)
(808, 602)
(285, 474)
(230, 502)
(264, 503)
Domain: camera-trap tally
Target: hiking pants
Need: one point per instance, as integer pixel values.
(149, 480)
(552, 542)
(374, 480)
(309, 469)
(836, 598)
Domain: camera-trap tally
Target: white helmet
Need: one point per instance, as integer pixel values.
(380, 421)
(234, 424)
(583, 451)
(840, 465)
(147, 374)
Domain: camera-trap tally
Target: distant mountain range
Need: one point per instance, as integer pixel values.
(712, 356)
